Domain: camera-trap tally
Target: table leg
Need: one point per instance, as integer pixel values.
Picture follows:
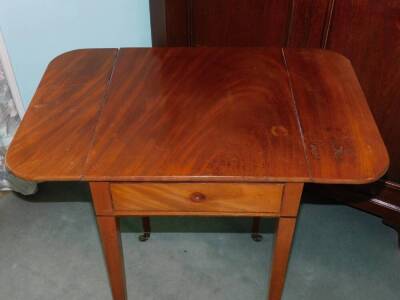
(111, 240)
(283, 243)
(146, 229)
(255, 230)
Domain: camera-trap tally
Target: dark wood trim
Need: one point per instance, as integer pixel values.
(170, 22)
(380, 199)
(189, 21)
(328, 22)
(392, 185)
(158, 22)
(380, 206)
(289, 25)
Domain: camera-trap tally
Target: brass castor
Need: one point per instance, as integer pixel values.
(144, 237)
(256, 237)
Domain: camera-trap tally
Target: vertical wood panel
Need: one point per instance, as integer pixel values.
(157, 21)
(177, 21)
(297, 23)
(309, 23)
(170, 22)
(368, 33)
(240, 23)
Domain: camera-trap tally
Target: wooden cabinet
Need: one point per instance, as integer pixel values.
(365, 31)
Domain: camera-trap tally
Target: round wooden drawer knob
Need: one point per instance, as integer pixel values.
(197, 197)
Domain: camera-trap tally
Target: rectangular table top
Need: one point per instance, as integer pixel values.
(199, 114)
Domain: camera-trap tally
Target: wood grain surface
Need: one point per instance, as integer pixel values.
(55, 135)
(197, 197)
(200, 114)
(341, 133)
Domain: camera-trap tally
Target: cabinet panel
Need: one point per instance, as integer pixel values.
(170, 22)
(240, 23)
(368, 33)
(310, 23)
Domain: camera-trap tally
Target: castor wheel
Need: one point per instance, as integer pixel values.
(256, 237)
(144, 237)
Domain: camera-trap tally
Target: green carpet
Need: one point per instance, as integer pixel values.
(50, 250)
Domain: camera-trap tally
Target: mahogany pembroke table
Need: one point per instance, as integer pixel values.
(198, 132)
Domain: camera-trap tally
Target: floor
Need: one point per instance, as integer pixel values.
(49, 249)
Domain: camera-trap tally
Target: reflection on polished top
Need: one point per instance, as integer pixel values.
(199, 114)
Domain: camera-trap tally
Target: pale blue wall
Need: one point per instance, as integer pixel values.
(36, 31)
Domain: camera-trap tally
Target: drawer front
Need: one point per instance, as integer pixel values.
(197, 197)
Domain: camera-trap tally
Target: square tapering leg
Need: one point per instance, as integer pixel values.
(283, 244)
(284, 238)
(112, 248)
